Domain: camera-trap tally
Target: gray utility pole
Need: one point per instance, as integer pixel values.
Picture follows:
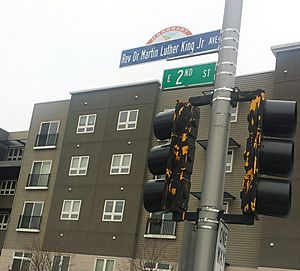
(214, 173)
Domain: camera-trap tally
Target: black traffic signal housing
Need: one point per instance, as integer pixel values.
(269, 157)
(174, 159)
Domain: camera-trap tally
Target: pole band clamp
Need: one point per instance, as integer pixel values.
(210, 209)
(230, 38)
(218, 98)
(230, 29)
(226, 63)
(207, 220)
(226, 72)
(228, 47)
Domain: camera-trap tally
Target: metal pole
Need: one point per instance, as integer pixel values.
(214, 173)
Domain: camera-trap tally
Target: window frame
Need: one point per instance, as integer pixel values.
(61, 258)
(234, 115)
(127, 122)
(31, 173)
(156, 266)
(105, 263)
(161, 235)
(32, 211)
(39, 133)
(70, 212)
(113, 213)
(22, 258)
(79, 167)
(8, 187)
(3, 223)
(229, 164)
(120, 167)
(15, 157)
(86, 126)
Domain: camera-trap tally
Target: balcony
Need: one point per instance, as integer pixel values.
(29, 223)
(45, 141)
(160, 228)
(37, 181)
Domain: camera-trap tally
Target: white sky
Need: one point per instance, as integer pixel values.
(49, 48)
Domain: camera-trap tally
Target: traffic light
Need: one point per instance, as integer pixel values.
(174, 159)
(269, 157)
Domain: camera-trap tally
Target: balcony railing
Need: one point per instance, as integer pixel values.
(29, 222)
(161, 227)
(44, 140)
(38, 180)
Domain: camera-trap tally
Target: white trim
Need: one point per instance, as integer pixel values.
(8, 189)
(49, 121)
(120, 167)
(160, 236)
(79, 167)
(230, 164)
(127, 122)
(32, 201)
(27, 230)
(44, 147)
(105, 260)
(285, 47)
(86, 126)
(234, 115)
(113, 212)
(70, 212)
(36, 187)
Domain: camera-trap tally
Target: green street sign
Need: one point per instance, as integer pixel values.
(189, 76)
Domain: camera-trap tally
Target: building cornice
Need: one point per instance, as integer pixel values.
(285, 47)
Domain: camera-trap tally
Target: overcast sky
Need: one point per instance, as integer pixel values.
(49, 48)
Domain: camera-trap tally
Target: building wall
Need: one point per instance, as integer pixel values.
(89, 234)
(42, 112)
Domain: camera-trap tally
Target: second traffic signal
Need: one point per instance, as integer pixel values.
(174, 159)
(269, 157)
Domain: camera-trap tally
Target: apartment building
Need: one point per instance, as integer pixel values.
(79, 192)
(12, 147)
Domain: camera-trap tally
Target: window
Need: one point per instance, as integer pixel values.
(79, 165)
(15, 153)
(31, 216)
(234, 113)
(40, 173)
(161, 224)
(60, 263)
(3, 221)
(113, 210)
(70, 210)
(86, 124)
(156, 266)
(21, 261)
(127, 119)
(8, 187)
(120, 164)
(48, 134)
(160, 176)
(229, 161)
(104, 265)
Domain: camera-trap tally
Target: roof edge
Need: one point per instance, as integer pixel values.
(116, 86)
(285, 47)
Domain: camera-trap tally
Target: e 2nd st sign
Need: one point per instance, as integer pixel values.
(189, 76)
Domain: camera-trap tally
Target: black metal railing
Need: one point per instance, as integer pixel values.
(38, 180)
(43, 140)
(29, 222)
(160, 226)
